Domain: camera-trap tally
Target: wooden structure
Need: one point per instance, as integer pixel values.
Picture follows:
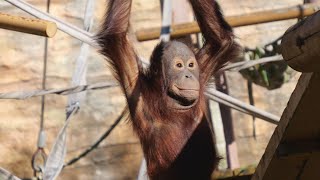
(299, 45)
(294, 149)
(235, 21)
(28, 25)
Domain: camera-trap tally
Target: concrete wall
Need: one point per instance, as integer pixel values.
(119, 156)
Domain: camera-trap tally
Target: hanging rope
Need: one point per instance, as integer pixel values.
(57, 155)
(55, 159)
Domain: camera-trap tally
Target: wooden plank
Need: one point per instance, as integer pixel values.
(299, 127)
(294, 149)
(300, 45)
(28, 25)
(235, 21)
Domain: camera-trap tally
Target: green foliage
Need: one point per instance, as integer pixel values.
(269, 75)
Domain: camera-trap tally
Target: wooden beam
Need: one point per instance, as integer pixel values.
(294, 149)
(235, 21)
(300, 45)
(299, 126)
(70, 29)
(28, 25)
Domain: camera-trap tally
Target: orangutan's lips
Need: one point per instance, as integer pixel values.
(183, 89)
(181, 100)
(182, 96)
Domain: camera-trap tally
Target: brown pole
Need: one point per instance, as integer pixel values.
(231, 145)
(28, 25)
(235, 21)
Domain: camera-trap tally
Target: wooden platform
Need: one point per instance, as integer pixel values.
(293, 152)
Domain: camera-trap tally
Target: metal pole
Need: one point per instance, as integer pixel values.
(231, 146)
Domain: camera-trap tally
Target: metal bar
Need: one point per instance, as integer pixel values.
(246, 64)
(253, 110)
(232, 151)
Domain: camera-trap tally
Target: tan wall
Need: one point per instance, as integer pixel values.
(21, 59)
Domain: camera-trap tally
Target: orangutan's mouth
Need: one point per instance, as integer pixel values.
(183, 101)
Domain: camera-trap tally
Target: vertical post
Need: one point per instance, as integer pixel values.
(217, 124)
(166, 12)
(251, 101)
(231, 146)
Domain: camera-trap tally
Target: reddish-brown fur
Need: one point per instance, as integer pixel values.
(176, 144)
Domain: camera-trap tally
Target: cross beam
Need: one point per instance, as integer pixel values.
(28, 25)
(179, 30)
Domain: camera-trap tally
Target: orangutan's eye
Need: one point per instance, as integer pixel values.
(191, 65)
(179, 65)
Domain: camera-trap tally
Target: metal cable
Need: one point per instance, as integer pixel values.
(63, 91)
(39, 158)
(97, 143)
(76, 89)
(44, 74)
